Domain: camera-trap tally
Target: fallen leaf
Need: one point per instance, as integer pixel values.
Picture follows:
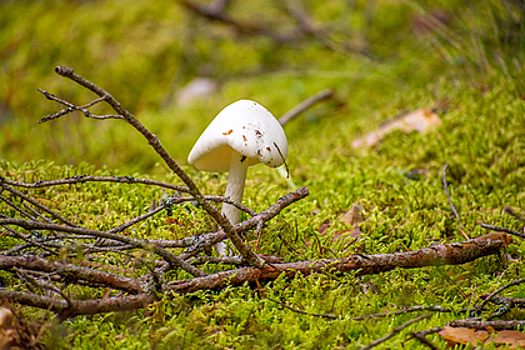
(420, 120)
(353, 216)
(323, 228)
(6, 317)
(354, 233)
(462, 335)
(515, 339)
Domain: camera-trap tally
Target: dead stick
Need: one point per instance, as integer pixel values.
(394, 332)
(42, 207)
(79, 307)
(89, 178)
(330, 316)
(70, 271)
(400, 312)
(305, 105)
(479, 324)
(513, 283)
(502, 229)
(450, 200)
(435, 255)
(424, 340)
(251, 258)
(173, 259)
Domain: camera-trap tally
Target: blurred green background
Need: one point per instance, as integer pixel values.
(148, 53)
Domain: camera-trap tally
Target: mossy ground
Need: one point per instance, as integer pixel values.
(481, 139)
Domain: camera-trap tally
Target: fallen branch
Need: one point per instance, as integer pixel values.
(488, 298)
(250, 257)
(435, 255)
(365, 317)
(497, 325)
(71, 272)
(328, 93)
(67, 309)
(394, 332)
(423, 339)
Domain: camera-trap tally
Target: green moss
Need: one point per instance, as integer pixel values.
(143, 53)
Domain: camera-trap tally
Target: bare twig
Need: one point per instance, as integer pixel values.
(404, 311)
(435, 255)
(244, 28)
(89, 178)
(248, 254)
(489, 297)
(419, 336)
(365, 317)
(394, 332)
(79, 307)
(329, 316)
(497, 299)
(35, 203)
(450, 200)
(497, 325)
(511, 212)
(173, 259)
(503, 229)
(328, 93)
(429, 331)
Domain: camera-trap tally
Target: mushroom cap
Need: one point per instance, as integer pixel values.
(246, 127)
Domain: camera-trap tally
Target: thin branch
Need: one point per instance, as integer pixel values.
(435, 255)
(365, 317)
(35, 203)
(17, 208)
(325, 94)
(503, 229)
(251, 258)
(72, 108)
(404, 311)
(329, 316)
(497, 299)
(449, 199)
(497, 325)
(173, 259)
(508, 285)
(241, 27)
(89, 178)
(511, 212)
(70, 272)
(232, 260)
(394, 332)
(424, 340)
(80, 307)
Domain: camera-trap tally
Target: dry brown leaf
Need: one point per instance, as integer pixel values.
(419, 120)
(323, 228)
(6, 317)
(353, 216)
(515, 339)
(462, 335)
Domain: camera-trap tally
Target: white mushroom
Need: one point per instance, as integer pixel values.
(242, 134)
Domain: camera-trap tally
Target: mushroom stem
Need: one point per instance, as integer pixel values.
(234, 191)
